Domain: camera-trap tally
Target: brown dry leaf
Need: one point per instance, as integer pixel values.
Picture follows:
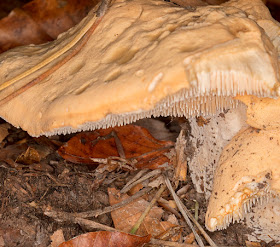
(106, 239)
(29, 157)
(57, 238)
(125, 217)
(40, 21)
(189, 239)
(136, 143)
(252, 244)
(26, 153)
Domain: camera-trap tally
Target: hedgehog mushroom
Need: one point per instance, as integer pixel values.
(142, 58)
(146, 58)
(249, 169)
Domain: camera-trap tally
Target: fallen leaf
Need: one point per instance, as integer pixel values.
(125, 217)
(189, 239)
(252, 244)
(29, 157)
(40, 21)
(135, 141)
(106, 239)
(57, 238)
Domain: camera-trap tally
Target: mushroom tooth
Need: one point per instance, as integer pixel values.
(238, 211)
(247, 175)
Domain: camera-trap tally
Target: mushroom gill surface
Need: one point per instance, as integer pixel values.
(144, 58)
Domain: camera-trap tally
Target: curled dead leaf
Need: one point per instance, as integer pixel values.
(130, 141)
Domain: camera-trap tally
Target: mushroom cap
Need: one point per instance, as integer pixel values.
(262, 113)
(146, 57)
(248, 171)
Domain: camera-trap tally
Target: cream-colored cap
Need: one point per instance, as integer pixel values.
(248, 173)
(145, 57)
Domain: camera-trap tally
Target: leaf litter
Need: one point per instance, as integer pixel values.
(75, 198)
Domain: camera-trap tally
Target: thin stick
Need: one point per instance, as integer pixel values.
(196, 207)
(63, 216)
(186, 212)
(175, 197)
(147, 176)
(118, 145)
(135, 178)
(147, 210)
(98, 212)
(169, 243)
(200, 228)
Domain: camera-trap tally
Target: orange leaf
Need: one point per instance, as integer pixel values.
(125, 217)
(136, 143)
(106, 239)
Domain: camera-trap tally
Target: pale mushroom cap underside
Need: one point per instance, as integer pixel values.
(146, 57)
(248, 172)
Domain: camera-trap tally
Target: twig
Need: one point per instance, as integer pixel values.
(98, 212)
(169, 243)
(164, 203)
(63, 216)
(118, 145)
(135, 178)
(205, 235)
(147, 210)
(196, 207)
(180, 173)
(179, 205)
(147, 176)
(187, 213)
(49, 176)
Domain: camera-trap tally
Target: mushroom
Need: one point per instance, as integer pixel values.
(142, 58)
(248, 172)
